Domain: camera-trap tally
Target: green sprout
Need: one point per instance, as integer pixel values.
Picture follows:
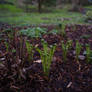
(13, 51)
(63, 33)
(73, 28)
(85, 36)
(78, 49)
(46, 56)
(62, 30)
(10, 36)
(88, 54)
(7, 46)
(29, 50)
(65, 48)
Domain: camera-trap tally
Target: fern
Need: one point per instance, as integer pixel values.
(29, 50)
(46, 56)
(78, 49)
(65, 48)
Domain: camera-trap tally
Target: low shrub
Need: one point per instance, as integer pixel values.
(33, 32)
(89, 15)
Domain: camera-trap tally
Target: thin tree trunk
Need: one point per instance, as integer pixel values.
(75, 5)
(39, 5)
(19, 3)
(58, 3)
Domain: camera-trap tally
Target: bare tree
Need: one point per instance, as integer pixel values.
(58, 3)
(39, 5)
(19, 3)
(40, 2)
(75, 5)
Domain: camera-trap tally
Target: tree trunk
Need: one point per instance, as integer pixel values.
(84, 3)
(39, 5)
(58, 3)
(19, 3)
(75, 5)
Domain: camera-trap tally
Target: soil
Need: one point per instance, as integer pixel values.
(17, 74)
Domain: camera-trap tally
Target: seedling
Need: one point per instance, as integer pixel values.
(78, 49)
(46, 56)
(7, 31)
(10, 36)
(54, 31)
(7, 46)
(73, 28)
(85, 36)
(62, 30)
(63, 33)
(29, 50)
(13, 51)
(65, 48)
(88, 54)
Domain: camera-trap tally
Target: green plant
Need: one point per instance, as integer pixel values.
(1, 36)
(7, 46)
(78, 49)
(73, 28)
(10, 36)
(8, 30)
(89, 15)
(54, 31)
(29, 50)
(62, 30)
(33, 32)
(85, 36)
(10, 33)
(46, 56)
(13, 50)
(65, 48)
(88, 54)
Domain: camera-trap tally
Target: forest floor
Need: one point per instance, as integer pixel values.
(17, 74)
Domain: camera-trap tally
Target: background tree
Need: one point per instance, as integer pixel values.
(27, 4)
(75, 5)
(20, 3)
(39, 6)
(58, 3)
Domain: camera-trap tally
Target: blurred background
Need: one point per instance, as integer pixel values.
(29, 12)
